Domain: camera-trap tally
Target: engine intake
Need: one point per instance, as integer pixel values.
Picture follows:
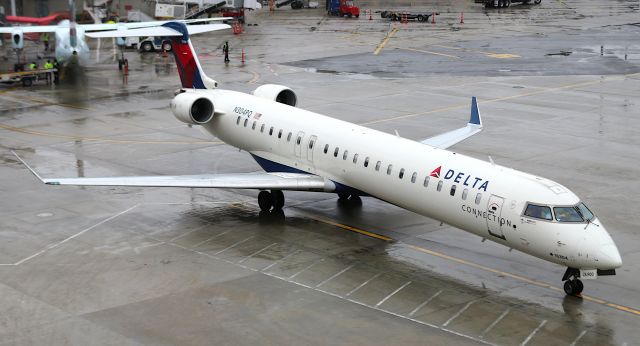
(277, 93)
(192, 108)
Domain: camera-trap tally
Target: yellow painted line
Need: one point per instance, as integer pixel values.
(99, 139)
(256, 77)
(49, 103)
(352, 229)
(503, 56)
(429, 52)
(386, 39)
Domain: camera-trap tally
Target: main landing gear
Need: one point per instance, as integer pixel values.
(268, 200)
(346, 199)
(572, 285)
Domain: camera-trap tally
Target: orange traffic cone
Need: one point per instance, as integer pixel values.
(433, 18)
(243, 56)
(461, 17)
(370, 15)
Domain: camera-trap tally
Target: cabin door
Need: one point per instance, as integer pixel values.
(310, 146)
(494, 221)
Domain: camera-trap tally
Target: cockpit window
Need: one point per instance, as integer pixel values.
(567, 214)
(538, 212)
(586, 213)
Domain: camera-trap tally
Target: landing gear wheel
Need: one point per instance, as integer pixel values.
(120, 64)
(573, 287)
(507, 3)
(537, 2)
(265, 201)
(343, 196)
(166, 46)
(578, 285)
(568, 288)
(277, 199)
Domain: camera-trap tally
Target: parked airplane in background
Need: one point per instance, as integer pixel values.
(306, 151)
(70, 37)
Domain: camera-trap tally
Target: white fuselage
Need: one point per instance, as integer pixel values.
(488, 199)
(66, 44)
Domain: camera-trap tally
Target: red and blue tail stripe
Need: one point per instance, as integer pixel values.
(186, 60)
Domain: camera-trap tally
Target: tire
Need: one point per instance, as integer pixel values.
(578, 286)
(537, 2)
(264, 200)
(568, 288)
(167, 46)
(420, 18)
(357, 16)
(277, 199)
(384, 14)
(349, 15)
(146, 47)
(507, 3)
(27, 82)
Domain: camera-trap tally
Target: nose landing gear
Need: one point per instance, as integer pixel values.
(572, 285)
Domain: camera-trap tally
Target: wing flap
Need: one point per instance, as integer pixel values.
(447, 139)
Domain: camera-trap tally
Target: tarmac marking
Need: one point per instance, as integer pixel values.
(256, 77)
(386, 39)
(211, 238)
(393, 293)
(257, 252)
(99, 139)
(494, 323)
(429, 52)
(362, 284)
(306, 268)
(235, 244)
(335, 275)
(423, 304)
(464, 308)
(575, 341)
(280, 260)
(503, 55)
(526, 341)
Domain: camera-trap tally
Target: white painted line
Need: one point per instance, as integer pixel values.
(494, 323)
(280, 260)
(362, 284)
(186, 233)
(54, 245)
(392, 293)
(237, 243)
(533, 333)
(575, 342)
(458, 313)
(335, 275)
(306, 268)
(212, 238)
(424, 303)
(256, 253)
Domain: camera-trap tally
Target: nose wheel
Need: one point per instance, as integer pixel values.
(268, 200)
(572, 285)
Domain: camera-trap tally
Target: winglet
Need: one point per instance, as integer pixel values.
(475, 113)
(29, 167)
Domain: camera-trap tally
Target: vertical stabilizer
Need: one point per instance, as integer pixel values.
(189, 68)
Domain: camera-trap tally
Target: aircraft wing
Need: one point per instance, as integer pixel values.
(135, 25)
(258, 180)
(28, 29)
(450, 138)
(157, 31)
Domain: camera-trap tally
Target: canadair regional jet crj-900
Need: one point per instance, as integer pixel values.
(306, 151)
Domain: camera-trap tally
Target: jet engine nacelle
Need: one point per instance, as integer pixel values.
(278, 93)
(192, 108)
(17, 39)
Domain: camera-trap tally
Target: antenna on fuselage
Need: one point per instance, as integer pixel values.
(491, 160)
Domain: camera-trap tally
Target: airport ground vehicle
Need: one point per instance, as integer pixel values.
(27, 78)
(152, 43)
(343, 8)
(397, 16)
(505, 3)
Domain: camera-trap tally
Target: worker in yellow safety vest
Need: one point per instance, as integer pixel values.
(33, 66)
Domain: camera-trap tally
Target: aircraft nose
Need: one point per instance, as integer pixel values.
(610, 257)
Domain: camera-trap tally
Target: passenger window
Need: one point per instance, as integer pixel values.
(440, 185)
(326, 148)
(299, 140)
(401, 175)
(311, 144)
(478, 198)
(538, 211)
(389, 169)
(345, 154)
(465, 192)
(238, 121)
(366, 161)
(413, 177)
(335, 152)
(262, 128)
(289, 139)
(567, 214)
(271, 131)
(378, 165)
(253, 127)
(426, 181)
(280, 134)
(355, 158)
(452, 192)
(245, 122)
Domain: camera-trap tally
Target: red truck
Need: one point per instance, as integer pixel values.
(343, 8)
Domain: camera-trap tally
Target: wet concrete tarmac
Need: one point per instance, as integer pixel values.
(131, 266)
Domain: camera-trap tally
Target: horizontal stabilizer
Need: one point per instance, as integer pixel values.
(447, 139)
(157, 31)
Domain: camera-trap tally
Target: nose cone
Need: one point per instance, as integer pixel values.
(609, 257)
